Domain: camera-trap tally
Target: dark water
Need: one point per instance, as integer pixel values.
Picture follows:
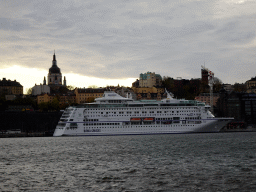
(186, 162)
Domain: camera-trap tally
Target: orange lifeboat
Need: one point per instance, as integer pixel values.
(148, 119)
(135, 119)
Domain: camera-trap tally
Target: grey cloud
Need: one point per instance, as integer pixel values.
(9, 24)
(238, 30)
(120, 39)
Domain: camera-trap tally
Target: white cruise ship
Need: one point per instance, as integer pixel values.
(116, 115)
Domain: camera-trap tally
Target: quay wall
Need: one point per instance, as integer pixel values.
(29, 122)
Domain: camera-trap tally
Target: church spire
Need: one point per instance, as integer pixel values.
(54, 57)
(54, 62)
(44, 81)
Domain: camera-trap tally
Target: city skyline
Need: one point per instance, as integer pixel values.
(112, 42)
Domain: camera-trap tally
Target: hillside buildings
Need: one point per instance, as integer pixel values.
(40, 89)
(205, 97)
(84, 95)
(62, 99)
(149, 86)
(251, 85)
(10, 89)
(150, 80)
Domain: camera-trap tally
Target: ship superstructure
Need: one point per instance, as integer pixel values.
(116, 115)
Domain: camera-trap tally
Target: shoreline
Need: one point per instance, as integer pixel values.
(47, 134)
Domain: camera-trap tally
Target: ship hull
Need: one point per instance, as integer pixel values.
(206, 126)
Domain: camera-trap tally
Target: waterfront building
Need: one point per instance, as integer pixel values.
(8, 87)
(40, 89)
(205, 97)
(241, 106)
(150, 80)
(251, 85)
(62, 99)
(84, 95)
(149, 93)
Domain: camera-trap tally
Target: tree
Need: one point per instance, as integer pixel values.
(168, 82)
(54, 105)
(217, 85)
(239, 87)
(43, 106)
(70, 87)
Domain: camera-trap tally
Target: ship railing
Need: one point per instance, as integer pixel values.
(61, 124)
(65, 116)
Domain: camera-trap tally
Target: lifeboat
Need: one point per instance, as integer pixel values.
(148, 119)
(135, 119)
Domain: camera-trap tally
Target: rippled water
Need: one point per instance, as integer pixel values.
(186, 162)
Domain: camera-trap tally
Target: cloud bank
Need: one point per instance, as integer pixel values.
(119, 39)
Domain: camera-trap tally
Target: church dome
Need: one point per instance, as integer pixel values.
(54, 68)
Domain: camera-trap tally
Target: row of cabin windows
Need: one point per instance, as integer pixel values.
(142, 115)
(137, 126)
(100, 109)
(142, 112)
(162, 119)
(88, 124)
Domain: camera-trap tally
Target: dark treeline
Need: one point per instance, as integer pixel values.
(189, 89)
(32, 104)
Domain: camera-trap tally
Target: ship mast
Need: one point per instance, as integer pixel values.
(210, 83)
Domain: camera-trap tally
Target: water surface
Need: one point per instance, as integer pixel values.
(175, 162)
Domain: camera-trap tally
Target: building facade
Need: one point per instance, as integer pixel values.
(205, 97)
(149, 93)
(150, 80)
(63, 99)
(40, 89)
(241, 106)
(251, 85)
(8, 87)
(84, 95)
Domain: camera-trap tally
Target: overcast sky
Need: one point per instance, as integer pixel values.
(111, 42)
